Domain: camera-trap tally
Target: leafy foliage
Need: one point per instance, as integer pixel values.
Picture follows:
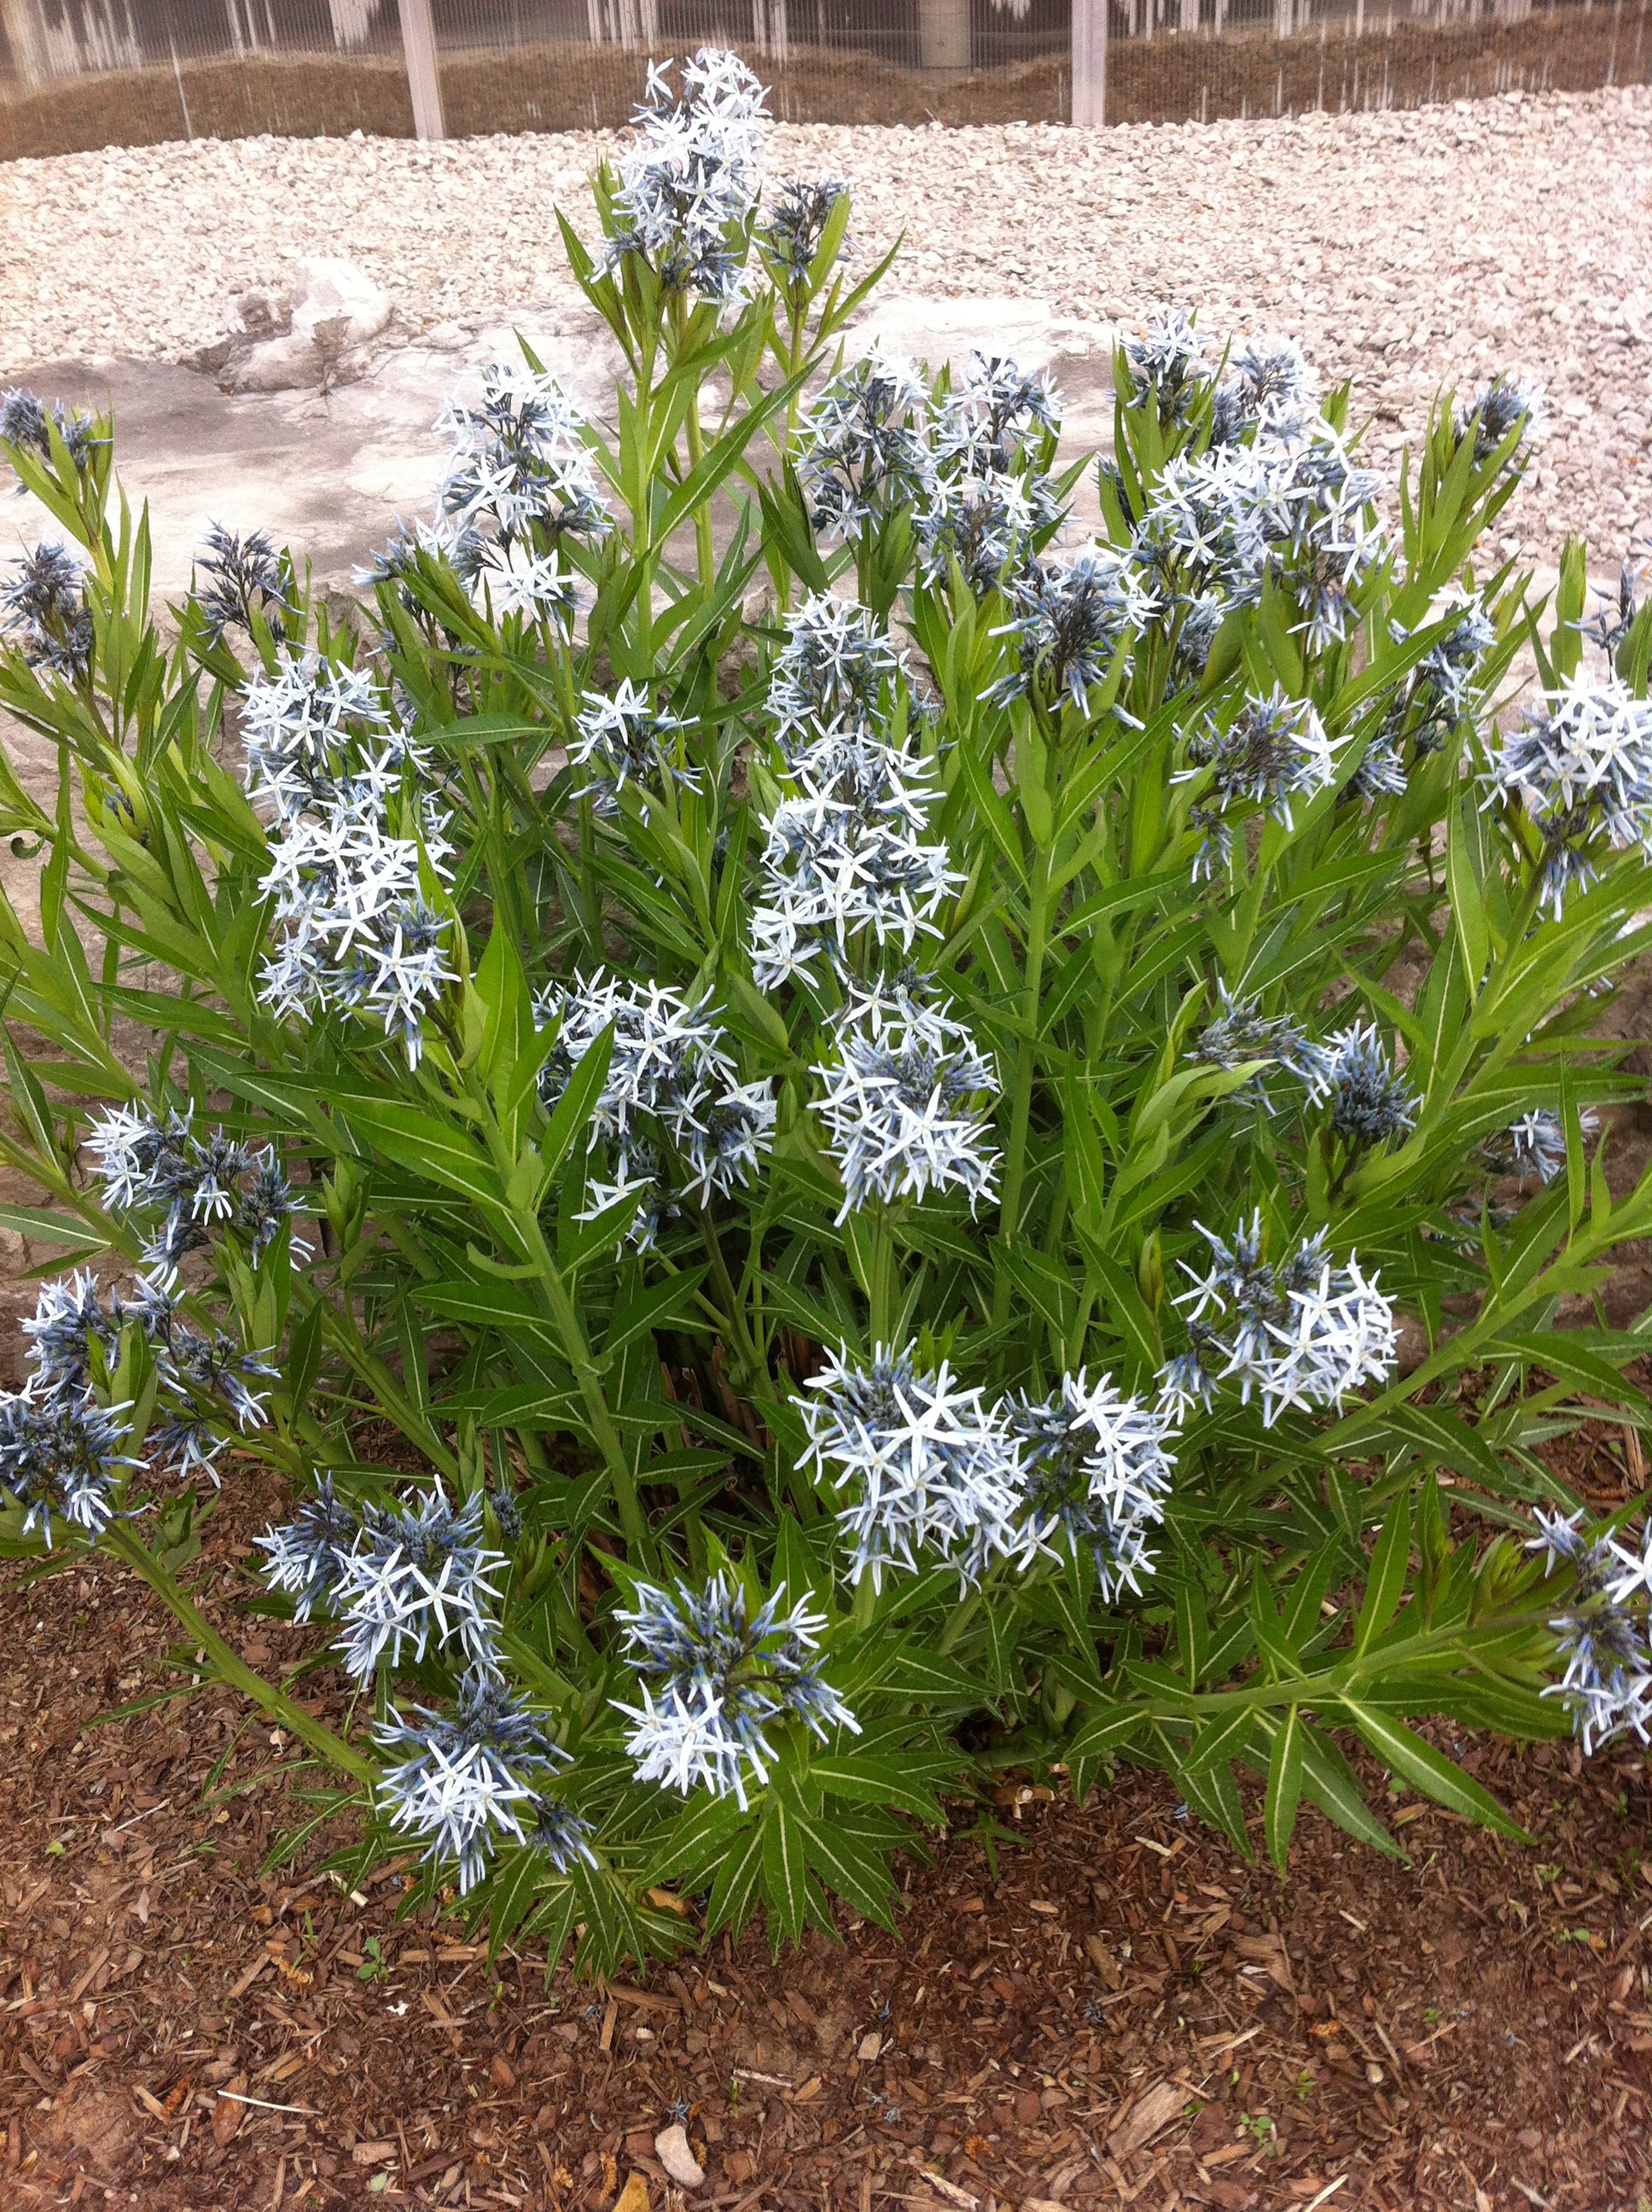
(873, 1096)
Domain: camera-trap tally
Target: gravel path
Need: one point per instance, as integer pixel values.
(1405, 250)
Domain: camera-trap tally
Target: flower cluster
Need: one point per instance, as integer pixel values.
(672, 1088)
(994, 421)
(475, 1776)
(356, 849)
(1602, 1629)
(62, 1454)
(1533, 1148)
(627, 740)
(1441, 691)
(931, 1467)
(1269, 389)
(1073, 616)
(1581, 764)
(1370, 1102)
(793, 225)
(906, 1103)
(518, 481)
(1496, 412)
(926, 1467)
(1304, 1334)
(43, 606)
(968, 461)
(845, 849)
(863, 446)
(401, 1579)
(1615, 617)
(713, 1677)
(1091, 1476)
(989, 500)
(830, 678)
(152, 1162)
(1291, 502)
(1242, 1033)
(61, 1449)
(688, 187)
(1272, 752)
(24, 421)
(1166, 363)
(245, 575)
(1322, 540)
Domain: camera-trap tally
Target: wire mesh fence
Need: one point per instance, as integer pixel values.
(86, 73)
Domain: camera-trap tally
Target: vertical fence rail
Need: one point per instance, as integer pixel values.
(1089, 63)
(423, 80)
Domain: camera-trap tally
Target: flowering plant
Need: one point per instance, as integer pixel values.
(946, 1145)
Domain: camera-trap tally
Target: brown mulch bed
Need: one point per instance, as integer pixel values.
(1170, 78)
(1107, 2006)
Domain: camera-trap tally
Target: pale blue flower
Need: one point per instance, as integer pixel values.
(715, 1677)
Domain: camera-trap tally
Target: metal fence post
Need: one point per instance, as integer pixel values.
(1089, 63)
(419, 52)
(944, 35)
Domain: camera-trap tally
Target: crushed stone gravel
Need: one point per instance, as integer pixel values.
(1407, 250)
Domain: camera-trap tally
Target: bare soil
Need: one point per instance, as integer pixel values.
(1172, 78)
(1084, 2007)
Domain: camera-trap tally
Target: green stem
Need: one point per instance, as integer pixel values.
(958, 1620)
(1039, 906)
(607, 1438)
(703, 546)
(231, 1669)
(796, 315)
(755, 1373)
(866, 1600)
(1323, 1691)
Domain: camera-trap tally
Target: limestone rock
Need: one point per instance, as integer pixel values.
(671, 2149)
(320, 335)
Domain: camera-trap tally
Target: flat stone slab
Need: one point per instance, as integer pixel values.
(329, 473)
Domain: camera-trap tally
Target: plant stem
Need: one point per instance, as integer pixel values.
(1015, 1159)
(881, 1290)
(606, 1437)
(706, 551)
(866, 1600)
(755, 1368)
(233, 1670)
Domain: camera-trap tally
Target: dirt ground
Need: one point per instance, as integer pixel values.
(1085, 2008)
(551, 88)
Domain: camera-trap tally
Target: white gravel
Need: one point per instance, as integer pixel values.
(1405, 251)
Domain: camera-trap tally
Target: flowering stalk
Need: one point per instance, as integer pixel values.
(1042, 895)
(228, 1665)
(604, 1434)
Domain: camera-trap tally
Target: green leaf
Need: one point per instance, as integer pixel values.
(418, 1141)
(734, 1892)
(1330, 1784)
(1386, 1582)
(510, 1894)
(1427, 1770)
(871, 1781)
(48, 1227)
(658, 1307)
(577, 1103)
(785, 1869)
(1284, 1787)
(1465, 877)
(860, 1876)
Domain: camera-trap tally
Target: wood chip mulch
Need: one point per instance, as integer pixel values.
(1093, 2007)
